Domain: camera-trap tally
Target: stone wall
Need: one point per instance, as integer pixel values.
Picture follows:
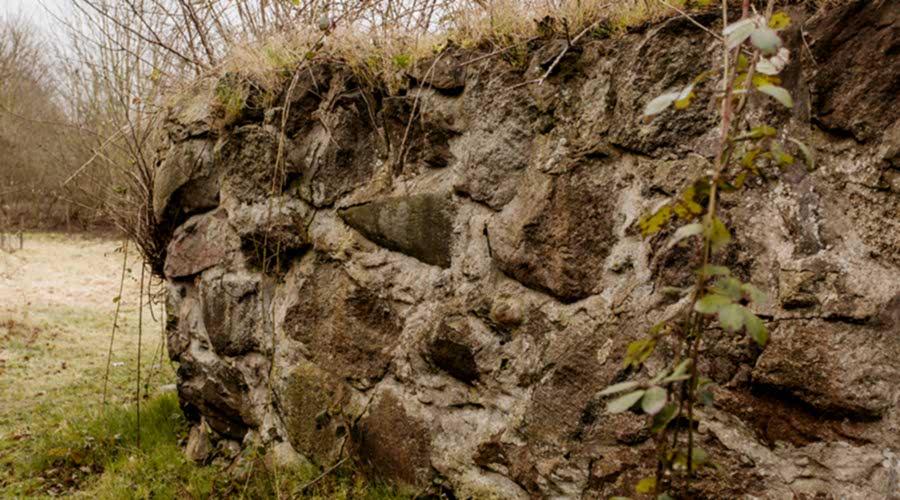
(444, 297)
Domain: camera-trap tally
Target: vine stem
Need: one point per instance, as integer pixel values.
(703, 278)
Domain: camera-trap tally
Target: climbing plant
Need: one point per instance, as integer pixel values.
(753, 56)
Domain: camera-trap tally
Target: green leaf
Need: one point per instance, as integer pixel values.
(675, 378)
(653, 223)
(686, 232)
(673, 291)
(762, 131)
(760, 79)
(743, 64)
(807, 154)
(692, 199)
(740, 179)
(621, 386)
(661, 103)
(661, 420)
(755, 294)
(779, 93)
(662, 326)
(682, 367)
(680, 372)
(766, 40)
(638, 351)
(659, 376)
(780, 20)
(731, 317)
(711, 270)
(654, 400)
(685, 97)
(749, 161)
(646, 485)
(402, 61)
(729, 287)
(736, 33)
(756, 328)
(718, 235)
(623, 403)
(711, 303)
(117, 299)
(699, 457)
(619, 498)
(706, 396)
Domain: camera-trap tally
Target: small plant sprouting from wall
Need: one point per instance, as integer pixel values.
(753, 56)
(231, 96)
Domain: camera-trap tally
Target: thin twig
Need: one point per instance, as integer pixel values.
(412, 114)
(140, 337)
(112, 335)
(569, 45)
(306, 486)
(495, 53)
(98, 152)
(691, 19)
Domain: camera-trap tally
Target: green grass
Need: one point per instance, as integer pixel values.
(57, 439)
(96, 455)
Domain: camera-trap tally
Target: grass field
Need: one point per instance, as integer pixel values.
(58, 301)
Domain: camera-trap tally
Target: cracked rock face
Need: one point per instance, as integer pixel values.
(450, 314)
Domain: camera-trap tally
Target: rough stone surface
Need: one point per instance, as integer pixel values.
(558, 235)
(420, 225)
(313, 402)
(187, 181)
(347, 329)
(202, 242)
(451, 294)
(809, 360)
(198, 446)
(394, 443)
(845, 96)
(232, 313)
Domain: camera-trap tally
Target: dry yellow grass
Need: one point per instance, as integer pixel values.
(381, 56)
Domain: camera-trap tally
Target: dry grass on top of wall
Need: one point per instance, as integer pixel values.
(381, 56)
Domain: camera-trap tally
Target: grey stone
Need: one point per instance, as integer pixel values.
(473, 362)
(557, 236)
(349, 330)
(272, 230)
(396, 444)
(845, 96)
(444, 72)
(419, 225)
(834, 367)
(198, 447)
(232, 313)
(314, 403)
(187, 180)
(202, 242)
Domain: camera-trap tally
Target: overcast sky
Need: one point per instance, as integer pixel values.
(35, 11)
